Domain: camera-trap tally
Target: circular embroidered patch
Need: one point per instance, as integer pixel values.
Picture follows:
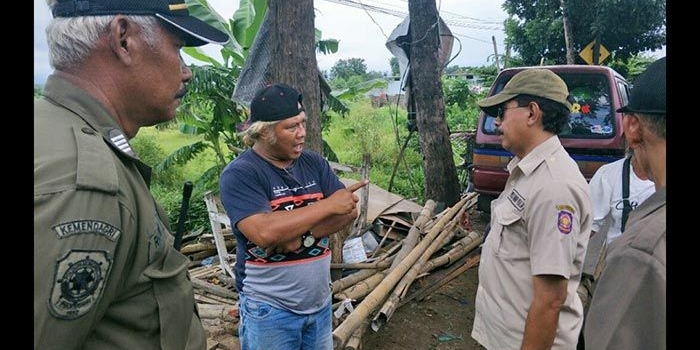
(78, 283)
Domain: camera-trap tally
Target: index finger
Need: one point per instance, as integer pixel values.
(356, 186)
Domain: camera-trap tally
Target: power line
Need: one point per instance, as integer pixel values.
(456, 19)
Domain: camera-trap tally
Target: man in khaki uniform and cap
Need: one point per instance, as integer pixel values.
(106, 275)
(532, 258)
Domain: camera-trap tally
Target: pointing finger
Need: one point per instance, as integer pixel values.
(354, 187)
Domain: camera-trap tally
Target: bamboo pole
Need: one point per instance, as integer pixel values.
(337, 239)
(214, 289)
(198, 247)
(201, 255)
(355, 341)
(390, 249)
(391, 303)
(204, 271)
(459, 249)
(216, 312)
(360, 222)
(379, 264)
(348, 281)
(361, 289)
(413, 236)
(371, 301)
(207, 298)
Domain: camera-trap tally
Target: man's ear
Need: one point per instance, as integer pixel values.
(535, 113)
(121, 36)
(632, 129)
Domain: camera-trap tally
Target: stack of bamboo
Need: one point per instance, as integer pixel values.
(369, 297)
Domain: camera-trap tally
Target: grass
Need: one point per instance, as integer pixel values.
(171, 139)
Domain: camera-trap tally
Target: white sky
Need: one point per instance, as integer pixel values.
(362, 34)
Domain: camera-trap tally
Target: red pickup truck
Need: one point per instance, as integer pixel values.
(593, 136)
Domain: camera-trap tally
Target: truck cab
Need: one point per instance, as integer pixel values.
(593, 136)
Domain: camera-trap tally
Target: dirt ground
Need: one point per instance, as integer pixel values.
(441, 321)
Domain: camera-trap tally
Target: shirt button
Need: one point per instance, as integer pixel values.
(88, 131)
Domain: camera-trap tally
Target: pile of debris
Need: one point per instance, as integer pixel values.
(401, 243)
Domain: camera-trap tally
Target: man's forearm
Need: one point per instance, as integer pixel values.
(540, 327)
(333, 224)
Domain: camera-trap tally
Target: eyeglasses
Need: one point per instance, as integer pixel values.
(501, 110)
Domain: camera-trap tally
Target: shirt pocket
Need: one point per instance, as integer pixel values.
(174, 294)
(504, 230)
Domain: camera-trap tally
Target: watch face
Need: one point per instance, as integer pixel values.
(309, 240)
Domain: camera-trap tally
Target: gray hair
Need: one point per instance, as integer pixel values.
(656, 123)
(71, 39)
(253, 132)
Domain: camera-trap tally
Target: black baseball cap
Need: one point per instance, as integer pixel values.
(275, 102)
(648, 94)
(173, 12)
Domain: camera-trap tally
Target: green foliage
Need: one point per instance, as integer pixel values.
(208, 111)
(347, 68)
(625, 27)
(379, 132)
(460, 98)
(394, 64)
(151, 153)
(487, 73)
(166, 186)
(359, 89)
(152, 145)
(170, 198)
(242, 29)
(456, 91)
(327, 46)
(633, 67)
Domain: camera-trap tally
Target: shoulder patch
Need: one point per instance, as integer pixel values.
(565, 219)
(79, 281)
(87, 226)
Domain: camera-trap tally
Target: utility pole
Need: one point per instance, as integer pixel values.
(570, 55)
(495, 52)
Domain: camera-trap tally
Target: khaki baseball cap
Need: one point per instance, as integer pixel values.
(538, 82)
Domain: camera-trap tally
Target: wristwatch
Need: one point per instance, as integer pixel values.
(307, 239)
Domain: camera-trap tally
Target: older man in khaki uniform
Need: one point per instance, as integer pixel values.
(106, 275)
(532, 258)
(628, 309)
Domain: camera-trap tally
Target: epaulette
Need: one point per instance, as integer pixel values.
(96, 169)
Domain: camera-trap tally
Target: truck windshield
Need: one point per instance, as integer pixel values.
(592, 114)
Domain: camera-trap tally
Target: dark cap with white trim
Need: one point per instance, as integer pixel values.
(173, 12)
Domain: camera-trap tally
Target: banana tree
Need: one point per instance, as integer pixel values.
(208, 109)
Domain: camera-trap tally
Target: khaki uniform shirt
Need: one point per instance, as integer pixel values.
(540, 224)
(106, 275)
(628, 310)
